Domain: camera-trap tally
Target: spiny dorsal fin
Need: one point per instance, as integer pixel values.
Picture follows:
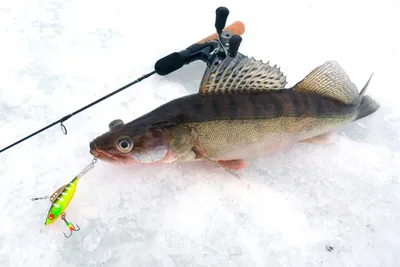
(241, 74)
(329, 80)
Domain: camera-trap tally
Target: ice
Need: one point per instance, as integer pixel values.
(314, 205)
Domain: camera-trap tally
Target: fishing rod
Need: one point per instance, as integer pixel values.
(225, 42)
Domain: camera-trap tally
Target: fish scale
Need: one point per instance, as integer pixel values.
(241, 110)
(226, 140)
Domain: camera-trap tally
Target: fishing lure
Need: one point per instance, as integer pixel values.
(61, 198)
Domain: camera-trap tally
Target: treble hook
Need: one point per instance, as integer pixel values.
(69, 225)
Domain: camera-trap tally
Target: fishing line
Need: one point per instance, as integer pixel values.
(66, 117)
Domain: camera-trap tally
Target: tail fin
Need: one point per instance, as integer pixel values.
(367, 105)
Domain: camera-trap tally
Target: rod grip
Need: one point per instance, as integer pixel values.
(237, 28)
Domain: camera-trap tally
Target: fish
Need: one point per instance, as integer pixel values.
(242, 110)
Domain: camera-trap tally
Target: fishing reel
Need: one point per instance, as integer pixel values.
(226, 44)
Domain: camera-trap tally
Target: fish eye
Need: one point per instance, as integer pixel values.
(125, 144)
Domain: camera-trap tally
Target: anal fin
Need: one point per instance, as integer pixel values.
(322, 139)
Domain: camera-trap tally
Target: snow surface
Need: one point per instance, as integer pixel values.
(314, 205)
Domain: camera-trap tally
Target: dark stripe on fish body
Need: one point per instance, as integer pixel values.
(313, 107)
(267, 107)
(246, 106)
(287, 103)
(209, 108)
(332, 108)
(319, 105)
(255, 107)
(198, 108)
(181, 106)
(264, 106)
(316, 104)
(324, 105)
(231, 107)
(277, 104)
(192, 109)
(297, 105)
(306, 105)
(206, 107)
(216, 107)
(252, 103)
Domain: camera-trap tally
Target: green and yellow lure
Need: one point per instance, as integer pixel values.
(61, 198)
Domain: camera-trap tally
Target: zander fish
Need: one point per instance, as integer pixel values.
(242, 110)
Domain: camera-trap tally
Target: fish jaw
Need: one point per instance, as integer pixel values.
(157, 146)
(151, 146)
(115, 157)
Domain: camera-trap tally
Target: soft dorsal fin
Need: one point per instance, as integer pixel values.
(329, 80)
(241, 74)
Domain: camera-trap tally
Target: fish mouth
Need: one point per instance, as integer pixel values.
(127, 159)
(124, 159)
(158, 154)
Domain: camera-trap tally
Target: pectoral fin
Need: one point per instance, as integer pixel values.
(218, 164)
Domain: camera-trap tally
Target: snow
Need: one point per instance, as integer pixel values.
(314, 205)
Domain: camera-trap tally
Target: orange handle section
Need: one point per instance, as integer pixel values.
(236, 28)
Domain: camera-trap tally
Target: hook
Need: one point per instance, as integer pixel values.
(69, 225)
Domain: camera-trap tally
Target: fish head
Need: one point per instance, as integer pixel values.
(131, 143)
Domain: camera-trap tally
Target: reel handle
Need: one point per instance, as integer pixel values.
(234, 44)
(236, 28)
(220, 19)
